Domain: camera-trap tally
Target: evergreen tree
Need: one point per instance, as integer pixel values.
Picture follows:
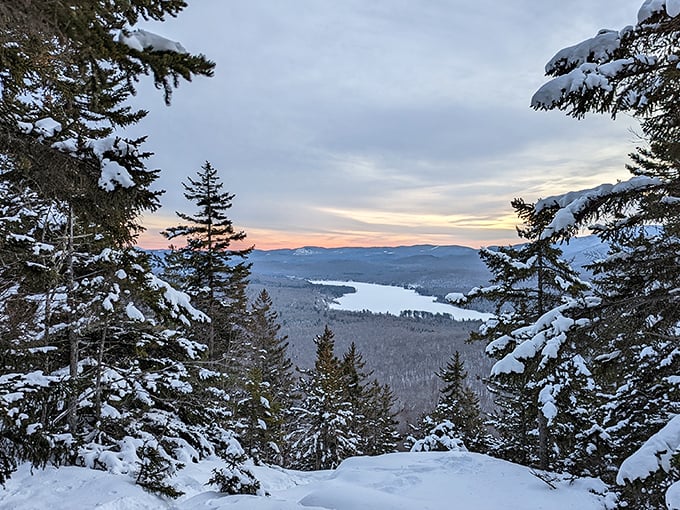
(323, 435)
(341, 413)
(263, 413)
(96, 372)
(205, 266)
(69, 69)
(379, 429)
(633, 71)
(529, 283)
(103, 378)
(371, 402)
(460, 405)
(456, 417)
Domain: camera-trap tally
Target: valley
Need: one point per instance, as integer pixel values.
(403, 351)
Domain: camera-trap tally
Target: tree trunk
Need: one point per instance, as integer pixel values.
(542, 420)
(98, 384)
(543, 457)
(72, 337)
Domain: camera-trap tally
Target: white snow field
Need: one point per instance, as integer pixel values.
(398, 481)
(394, 300)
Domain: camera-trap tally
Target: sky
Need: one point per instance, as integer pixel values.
(381, 123)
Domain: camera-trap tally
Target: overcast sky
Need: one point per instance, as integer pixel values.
(381, 122)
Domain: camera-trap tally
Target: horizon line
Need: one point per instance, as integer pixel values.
(269, 240)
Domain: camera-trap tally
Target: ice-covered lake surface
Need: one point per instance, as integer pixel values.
(394, 300)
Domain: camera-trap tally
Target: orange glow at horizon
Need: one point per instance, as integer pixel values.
(264, 239)
(371, 229)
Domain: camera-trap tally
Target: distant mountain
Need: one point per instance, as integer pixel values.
(433, 270)
(582, 251)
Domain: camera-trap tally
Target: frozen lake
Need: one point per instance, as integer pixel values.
(394, 300)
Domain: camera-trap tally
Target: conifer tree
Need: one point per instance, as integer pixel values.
(456, 417)
(99, 374)
(263, 413)
(529, 283)
(132, 402)
(631, 71)
(371, 402)
(323, 434)
(341, 412)
(460, 405)
(205, 267)
(379, 433)
(70, 68)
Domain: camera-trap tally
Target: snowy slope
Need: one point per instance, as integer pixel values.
(400, 481)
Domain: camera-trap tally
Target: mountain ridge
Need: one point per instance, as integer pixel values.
(432, 269)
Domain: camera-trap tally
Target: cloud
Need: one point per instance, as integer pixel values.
(331, 119)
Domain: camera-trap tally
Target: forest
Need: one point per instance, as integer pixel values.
(118, 362)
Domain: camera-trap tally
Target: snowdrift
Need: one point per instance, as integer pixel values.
(399, 481)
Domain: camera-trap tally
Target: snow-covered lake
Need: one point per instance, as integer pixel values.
(394, 300)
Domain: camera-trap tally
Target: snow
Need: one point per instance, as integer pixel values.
(673, 497)
(394, 300)
(576, 202)
(399, 481)
(546, 335)
(141, 40)
(47, 127)
(133, 313)
(654, 454)
(44, 128)
(651, 7)
(672, 8)
(588, 76)
(547, 398)
(441, 437)
(455, 297)
(178, 301)
(112, 174)
(597, 49)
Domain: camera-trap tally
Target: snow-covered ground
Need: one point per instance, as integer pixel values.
(394, 300)
(399, 481)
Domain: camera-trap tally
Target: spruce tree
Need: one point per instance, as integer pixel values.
(341, 412)
(460, 405)
(70, 70)
(96, 369)
(456, 417)
(379, 433)
(530, 281)
(372, 404)
(632, 71)
(97, 361)
(208, 267)
(323, 432)
(263, 413)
